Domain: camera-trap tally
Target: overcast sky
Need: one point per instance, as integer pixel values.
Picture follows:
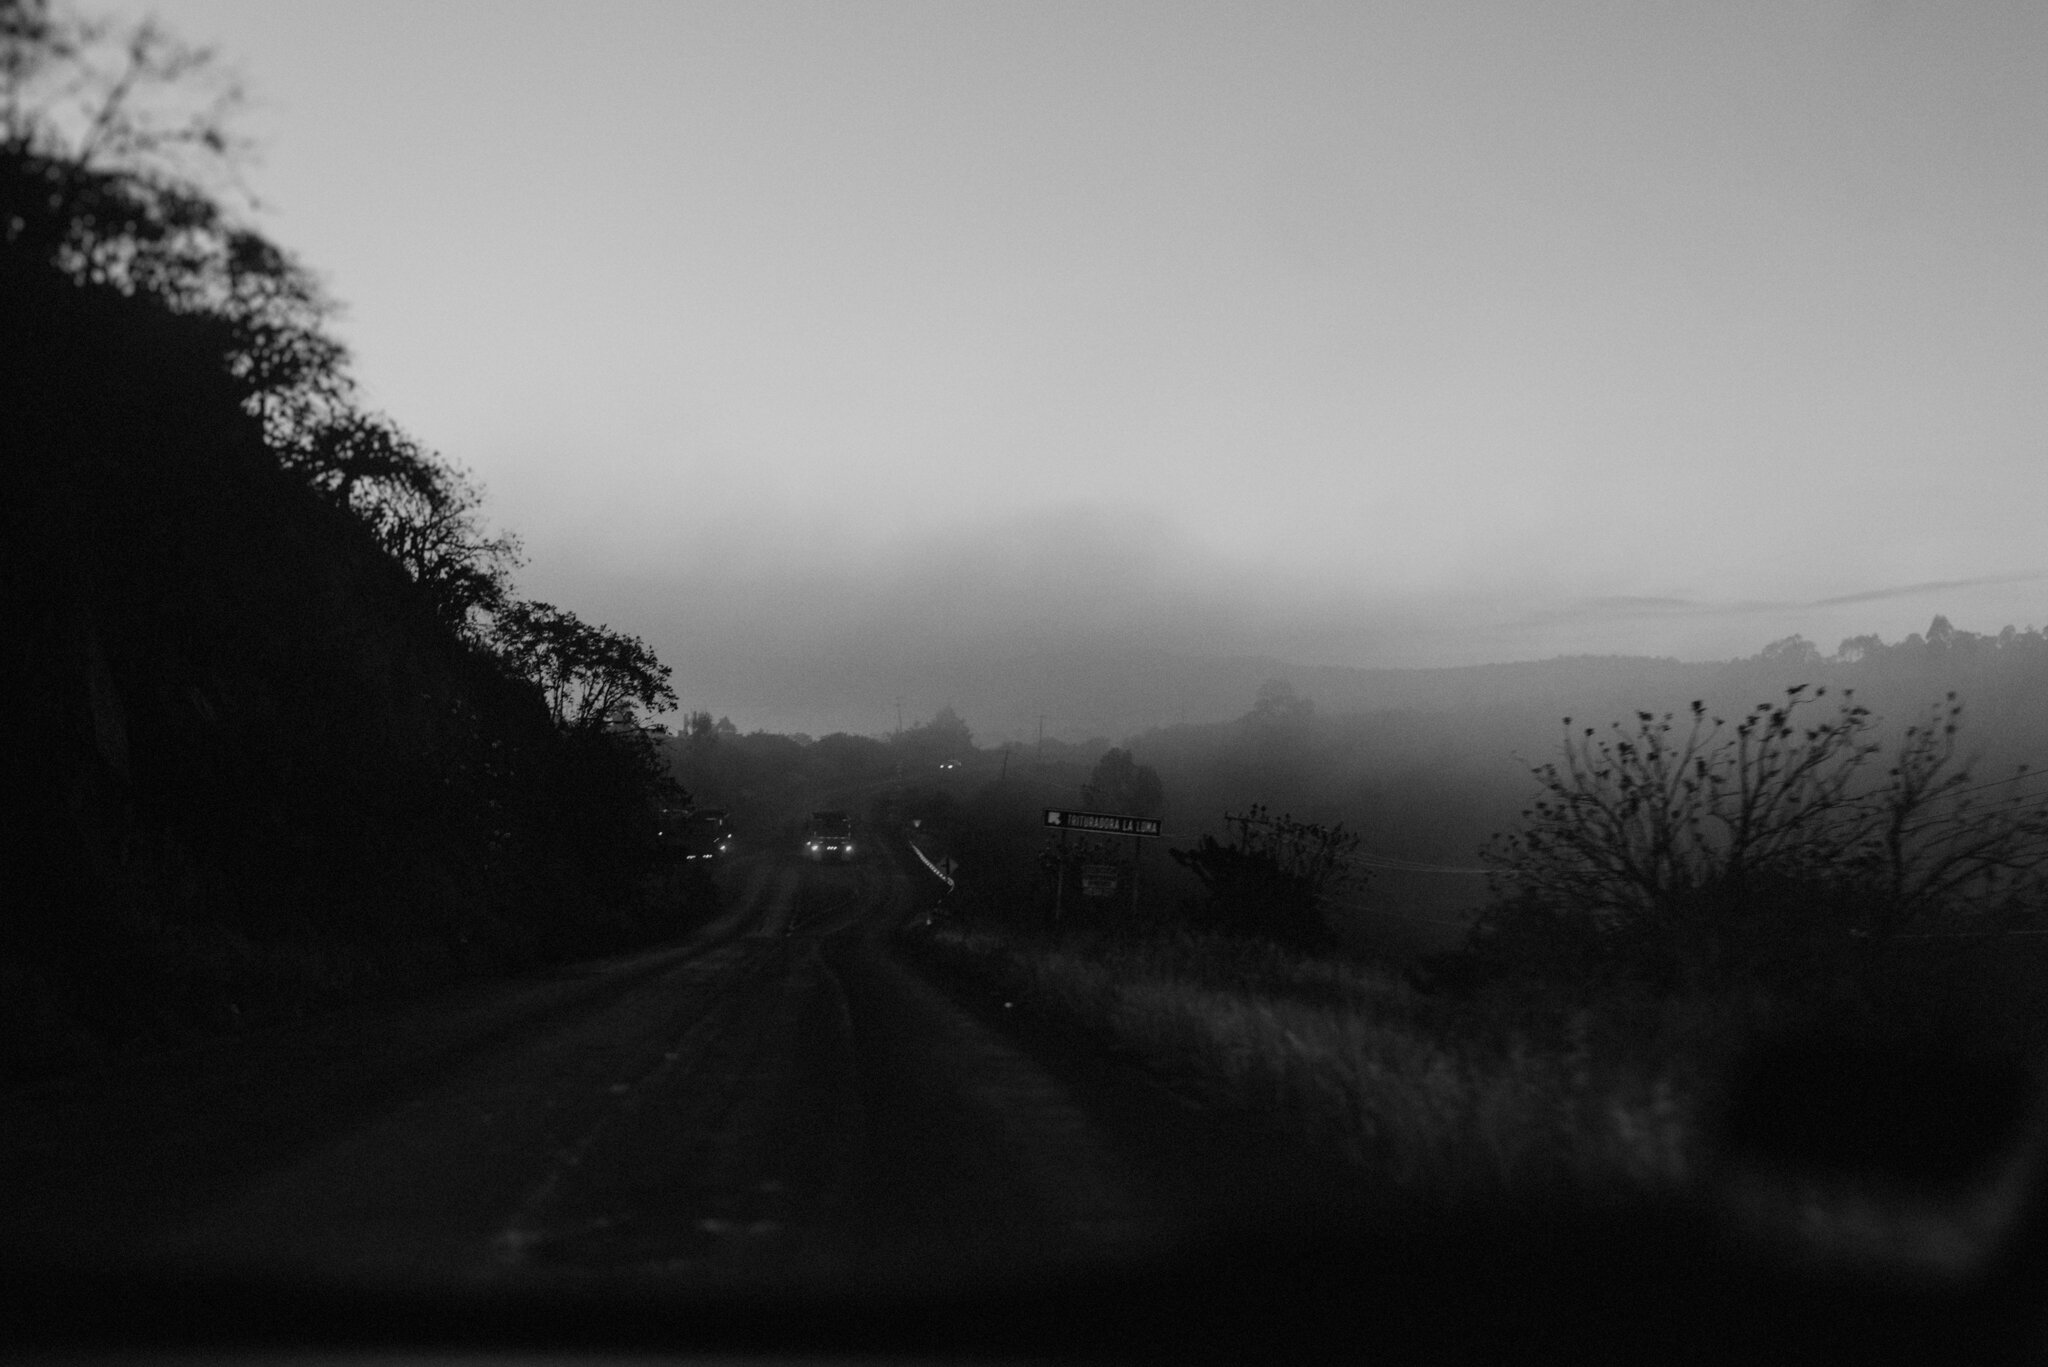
(1374, 334)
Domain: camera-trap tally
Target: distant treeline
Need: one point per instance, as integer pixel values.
(282, 734)
(1426, 767)
(1904, 674)
(1117, 689)
(1430, 774)
(768, 781)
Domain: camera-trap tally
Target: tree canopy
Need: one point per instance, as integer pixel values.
(283, 724)
(1121, 784)
(587, 673)
(120, 168)
(944, 737)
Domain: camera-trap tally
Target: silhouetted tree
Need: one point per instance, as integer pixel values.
(116, 157)
(1278, 703)
(253, 710)
(434, 528)
(1121, 784)
(1792, 652)
(1702, 851)
(944, 737)
(1270, 879)
(120, 156)
(426, 514)
(842, 755)
(583, 671)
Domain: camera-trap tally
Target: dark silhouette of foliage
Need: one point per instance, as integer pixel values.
(264, 758)
(118, 147)
(426, 514)
(848, 756)
(1269, 879)
(1708, 855)
(770, 783)
(120, 157)
(942, 738)
(1278, 704)
(586, 673)
(1121, 784)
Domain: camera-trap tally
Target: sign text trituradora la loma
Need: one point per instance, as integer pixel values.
(1101, 823)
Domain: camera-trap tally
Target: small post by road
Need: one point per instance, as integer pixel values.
(1059, 895)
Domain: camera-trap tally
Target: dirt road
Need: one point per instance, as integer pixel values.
(778, 1103)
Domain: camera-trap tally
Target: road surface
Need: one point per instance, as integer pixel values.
(781, 1101)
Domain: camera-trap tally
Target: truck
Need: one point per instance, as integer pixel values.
(707, 834)
(829, 836)
(689, 834)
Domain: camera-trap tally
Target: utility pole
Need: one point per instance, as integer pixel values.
(899, 715)
(1041, 740)
(1006, 765)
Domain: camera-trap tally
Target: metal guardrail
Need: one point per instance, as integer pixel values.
(937, 872)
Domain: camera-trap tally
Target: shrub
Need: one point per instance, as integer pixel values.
(1268, 880)
(1705, 856)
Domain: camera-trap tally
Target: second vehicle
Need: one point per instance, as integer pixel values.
(830, 836)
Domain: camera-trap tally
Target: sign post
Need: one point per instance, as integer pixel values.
(1139, 828)
(1059, 889)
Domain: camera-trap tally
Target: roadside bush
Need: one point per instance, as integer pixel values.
(1268, 880)
(1782, 852)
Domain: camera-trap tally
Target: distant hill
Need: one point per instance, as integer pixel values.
(1096, 686)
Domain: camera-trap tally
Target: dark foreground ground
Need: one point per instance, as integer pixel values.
(779, 1136)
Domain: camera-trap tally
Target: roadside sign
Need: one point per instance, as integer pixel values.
(1102, 823)
(1099, 880)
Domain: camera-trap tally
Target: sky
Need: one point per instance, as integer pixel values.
(787, 335)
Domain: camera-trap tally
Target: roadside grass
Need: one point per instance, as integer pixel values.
(1471, 1102)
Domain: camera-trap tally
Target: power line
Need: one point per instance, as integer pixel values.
(1391, 864)
(1329, 901)
(1971, 935)
(1367, 858)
